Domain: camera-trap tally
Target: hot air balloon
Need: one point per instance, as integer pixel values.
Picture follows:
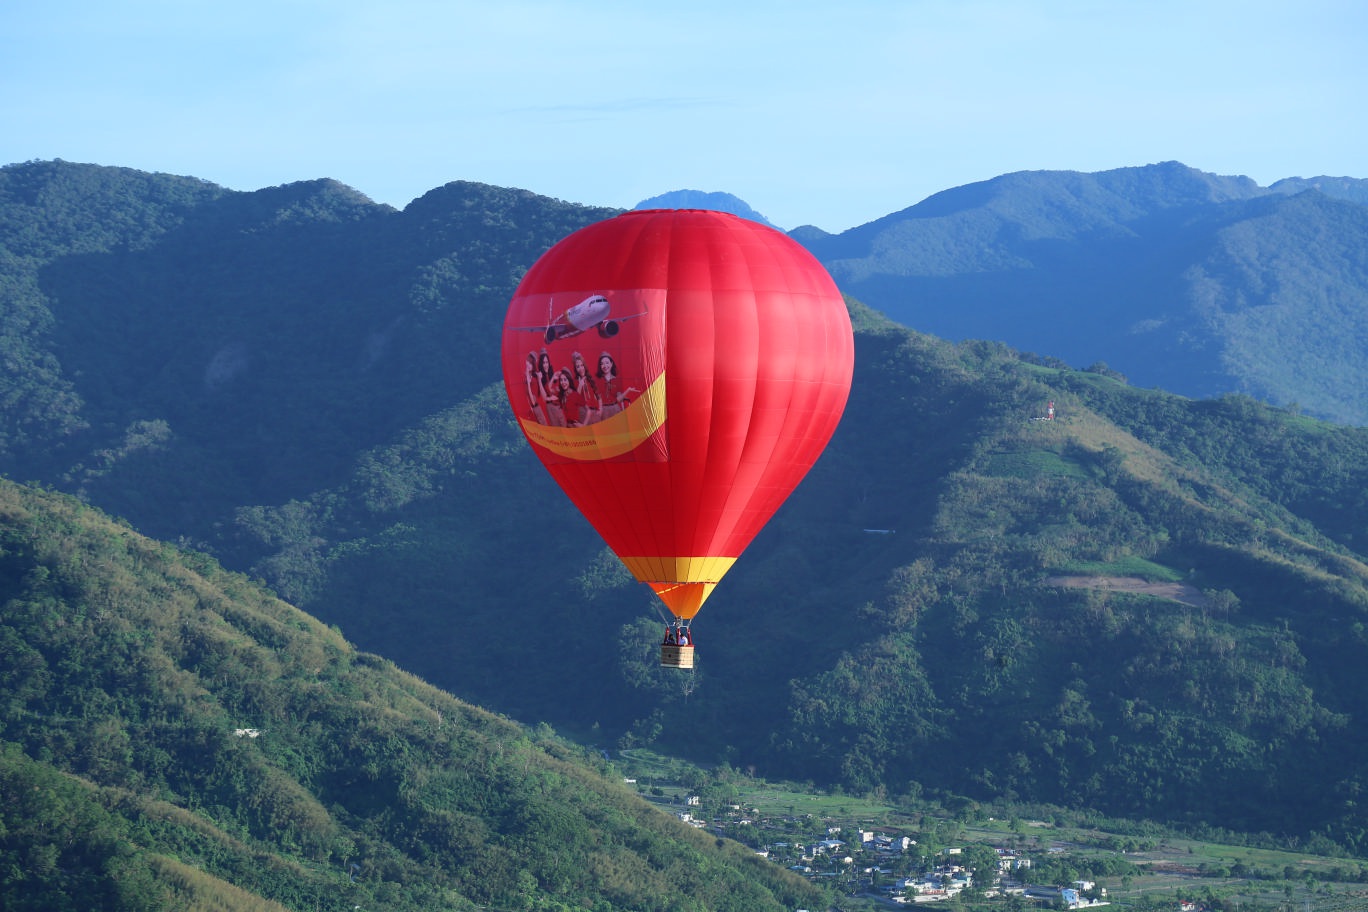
(677, 372)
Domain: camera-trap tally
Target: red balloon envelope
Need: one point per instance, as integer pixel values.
(678, 372)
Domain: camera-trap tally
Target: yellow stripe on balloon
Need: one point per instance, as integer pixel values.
(613, 436)
(682, 583)
(679, 569)
(683, 599)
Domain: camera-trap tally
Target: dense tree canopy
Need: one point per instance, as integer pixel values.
(173, 736)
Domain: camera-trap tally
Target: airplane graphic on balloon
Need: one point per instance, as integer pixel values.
(591, 313)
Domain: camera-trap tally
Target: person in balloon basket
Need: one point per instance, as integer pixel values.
(676, 635)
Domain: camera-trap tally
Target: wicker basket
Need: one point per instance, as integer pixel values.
(672, 656)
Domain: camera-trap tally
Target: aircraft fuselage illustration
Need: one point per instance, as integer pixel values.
(588, 314)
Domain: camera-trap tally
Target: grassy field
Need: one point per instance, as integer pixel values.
(1128, 566)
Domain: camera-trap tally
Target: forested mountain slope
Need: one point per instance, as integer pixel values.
(1192, 282)
(208, 349)
(173, 736)
(894, 628)
(304, 384)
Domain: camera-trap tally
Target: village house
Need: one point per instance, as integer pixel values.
(1009, 861)
(1066, 895)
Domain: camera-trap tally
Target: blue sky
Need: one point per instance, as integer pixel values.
(813, 112)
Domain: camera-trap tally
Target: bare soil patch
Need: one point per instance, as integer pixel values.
(1174, 592)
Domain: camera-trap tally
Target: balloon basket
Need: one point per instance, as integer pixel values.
(672, 656)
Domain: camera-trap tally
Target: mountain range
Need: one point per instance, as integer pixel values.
(1181, 280)
(1145, 603)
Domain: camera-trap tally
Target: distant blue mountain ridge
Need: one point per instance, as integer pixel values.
(702, 199)
(1192, 282)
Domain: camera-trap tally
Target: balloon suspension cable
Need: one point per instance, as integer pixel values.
(665, 617)
(671, 621)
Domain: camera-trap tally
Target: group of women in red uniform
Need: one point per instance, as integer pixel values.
(574, 396)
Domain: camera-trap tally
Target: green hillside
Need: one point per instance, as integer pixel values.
(1150, 605)
(175, 350)
(174, 737)
(896, 628)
